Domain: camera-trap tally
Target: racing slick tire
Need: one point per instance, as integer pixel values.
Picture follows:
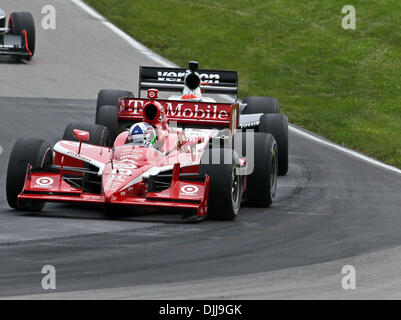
(110, 97)
(20, 21)
(98, 135)
(264, 105)
(224, 183)
(277, 125)
(26, 151)
(108, 117)
(262, 165)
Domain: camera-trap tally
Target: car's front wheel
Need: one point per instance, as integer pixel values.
(224, 183)
(35, 152)
(20, 22)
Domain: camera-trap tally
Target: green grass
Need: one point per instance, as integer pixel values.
(342, 84)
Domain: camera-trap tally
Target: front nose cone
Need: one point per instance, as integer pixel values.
(108, 196)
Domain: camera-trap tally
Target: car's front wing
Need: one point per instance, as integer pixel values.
(183, 194)
(16, 46)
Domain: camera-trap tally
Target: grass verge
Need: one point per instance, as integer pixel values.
(342, 84)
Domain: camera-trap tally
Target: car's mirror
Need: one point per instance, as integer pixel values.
(81, 135)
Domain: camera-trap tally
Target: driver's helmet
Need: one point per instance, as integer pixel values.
(142, 133)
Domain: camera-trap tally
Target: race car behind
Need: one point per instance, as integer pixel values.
(18, 38)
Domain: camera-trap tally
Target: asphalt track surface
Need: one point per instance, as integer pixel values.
(331, 210)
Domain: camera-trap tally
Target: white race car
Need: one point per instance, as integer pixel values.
(18, 39)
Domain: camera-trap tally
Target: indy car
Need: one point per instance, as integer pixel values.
(18, 39)
(187, 152)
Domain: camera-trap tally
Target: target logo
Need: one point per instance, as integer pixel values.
(152, 94)
(44, 181)
(189, 189)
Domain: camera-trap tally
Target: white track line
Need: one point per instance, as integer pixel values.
(161, 61)
(350, 152)
(89, 10)
(131, 41)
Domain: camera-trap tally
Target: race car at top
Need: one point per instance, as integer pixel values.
(200, 157)
(18, 39)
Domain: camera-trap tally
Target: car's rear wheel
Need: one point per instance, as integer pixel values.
(224, 183)
(108, 117)
(110, 97)
(264, 105)
(98, 135)
(277, 125)
(260, 150)
(35, 152)
(20, 21)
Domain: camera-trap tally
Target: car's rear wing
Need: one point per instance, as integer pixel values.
(184, 113)
(172, 79)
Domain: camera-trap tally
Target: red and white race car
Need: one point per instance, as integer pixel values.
(201, 163)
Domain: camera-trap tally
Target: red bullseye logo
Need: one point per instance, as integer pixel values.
(152, 94)
(189, 189)
(44, 181)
